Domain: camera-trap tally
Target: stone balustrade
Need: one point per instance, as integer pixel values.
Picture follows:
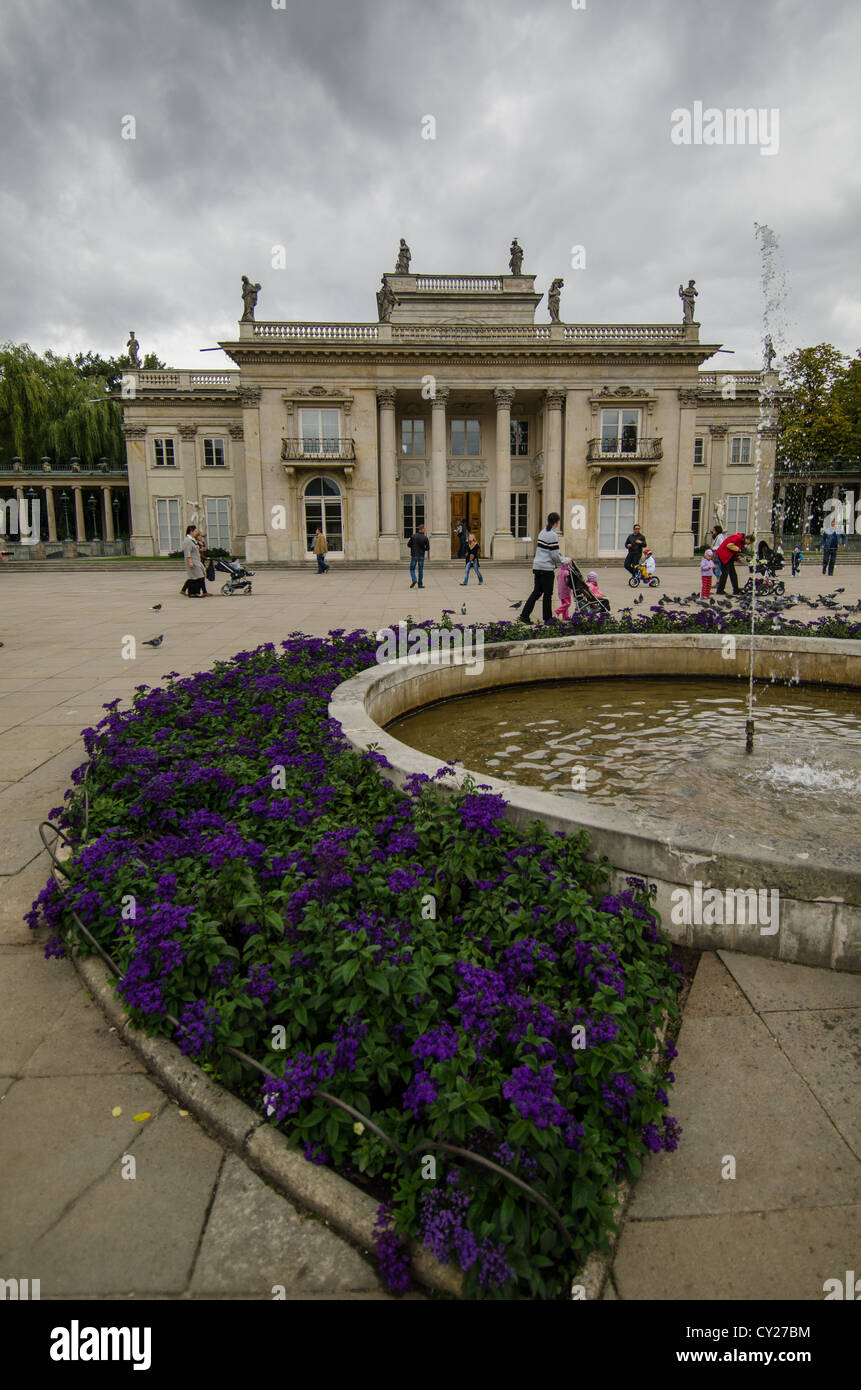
(624, 333)
(712, 381)
(469, 283)
(184, 381)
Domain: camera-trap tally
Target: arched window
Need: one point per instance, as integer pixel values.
(617, 512)
(323, 508)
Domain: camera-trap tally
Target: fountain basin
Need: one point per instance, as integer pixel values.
(819, 888)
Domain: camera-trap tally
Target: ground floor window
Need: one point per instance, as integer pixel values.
(217, 523)
(736, 514)
(517, 514)
(323, 508)
(167, 525)
(617, 512)
(414, 512)
(696, 517)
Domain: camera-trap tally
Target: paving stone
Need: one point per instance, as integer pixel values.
(714, 992)
(825, 1047)
(779, 1255)
(255, 1238)
(20, 843)
(79, 1043)
(17, 893)
(780, 985)
(35, 993)
(140, 1234)
(58, 1137)
(737, 1094)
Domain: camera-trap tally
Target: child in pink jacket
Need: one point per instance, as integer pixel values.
(565, 590)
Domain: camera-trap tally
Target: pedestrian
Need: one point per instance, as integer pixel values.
(547, 560)
(796, 558)
(472, 549)
(321, 546)
(206, 563)
(460, 532)
(728, 553)
(635, 545)
(707, 569)
(565, 589)
(829, 541)
(193, 567)
(718, 538)
(419, 546)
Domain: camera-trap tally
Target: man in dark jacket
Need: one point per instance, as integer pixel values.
(635, 545)
(829, 540)
(419, 547)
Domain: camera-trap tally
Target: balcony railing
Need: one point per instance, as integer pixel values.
(713, 381)
(475, 332)
(640, 451)
(324, 450)
(101, 469)
(468, 283)
(184, 381)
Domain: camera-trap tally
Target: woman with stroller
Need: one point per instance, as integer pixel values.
(472, 549)
(547, 560)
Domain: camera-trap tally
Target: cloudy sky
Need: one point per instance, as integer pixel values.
(257, 127)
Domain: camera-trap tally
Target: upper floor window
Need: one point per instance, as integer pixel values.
(164, 455)
(619, 431)
(520, 437)
(213, 453)
(321, 430)
(413, 438)
(699, 450)
(740, 449)
(414, 512)
(736, 514)
(465, 438)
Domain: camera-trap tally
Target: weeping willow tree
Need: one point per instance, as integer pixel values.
(56, 407)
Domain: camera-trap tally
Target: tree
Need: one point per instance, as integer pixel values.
(59, 406)
(820, 409)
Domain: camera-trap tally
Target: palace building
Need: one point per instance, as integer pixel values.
(457, 404)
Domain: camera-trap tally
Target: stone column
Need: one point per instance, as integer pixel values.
(388, 545)
(439, 519)
(503, 540)
(256, 543)
(80, 525)
(52, 519)
(109, 520)
(141, 512)
(22, 514)
(717, 472)
(188, 469)
(761, 524)
(683, 539)
(554, 400)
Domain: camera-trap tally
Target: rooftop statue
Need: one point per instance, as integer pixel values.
(516, 260)
(134, 349)
(249, 299)
(687, 296)
(386, 301)
(769, 353)
(553, 296)
(402, 266)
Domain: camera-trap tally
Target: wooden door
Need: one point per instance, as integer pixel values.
(474, 515)
(458, 515)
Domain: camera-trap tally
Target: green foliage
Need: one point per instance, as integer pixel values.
(820, 413)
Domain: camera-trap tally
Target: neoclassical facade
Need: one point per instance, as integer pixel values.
(457, 405)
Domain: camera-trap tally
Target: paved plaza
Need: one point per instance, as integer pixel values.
(768, 1064)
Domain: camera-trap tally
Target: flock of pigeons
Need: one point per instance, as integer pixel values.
(766, 603)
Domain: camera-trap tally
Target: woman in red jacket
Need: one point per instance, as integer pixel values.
(728, 553)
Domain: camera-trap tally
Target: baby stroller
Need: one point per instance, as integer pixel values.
(768, 563)
(239, 581)
(584, 600)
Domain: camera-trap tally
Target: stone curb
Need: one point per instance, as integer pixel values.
(235, 1125)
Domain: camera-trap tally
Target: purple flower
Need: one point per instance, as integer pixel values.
(438, 1043)
(392, 1255)
(314, 1154)
(261, 984)
(421, 1092)
(196, 1028)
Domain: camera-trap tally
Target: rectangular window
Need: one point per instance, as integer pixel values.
(696, 517)
(736, 514)
(217, 523)
(620, 431)
(465, 438)
(164, 456)
(740, 450)
(321, 430)
(699, 450)
(517, 514)
(167, 527)
(519, 437)
(213, 453)
(413, 438)
(414, 512)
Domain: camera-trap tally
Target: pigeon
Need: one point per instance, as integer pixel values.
(156, 607)
(154, 641)
(463, 608)
(639, 598)
(518, 604)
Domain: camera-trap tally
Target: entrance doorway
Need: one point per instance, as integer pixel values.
(617, 512)
(465, 508)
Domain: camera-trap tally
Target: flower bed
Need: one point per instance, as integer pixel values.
(471, 990)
